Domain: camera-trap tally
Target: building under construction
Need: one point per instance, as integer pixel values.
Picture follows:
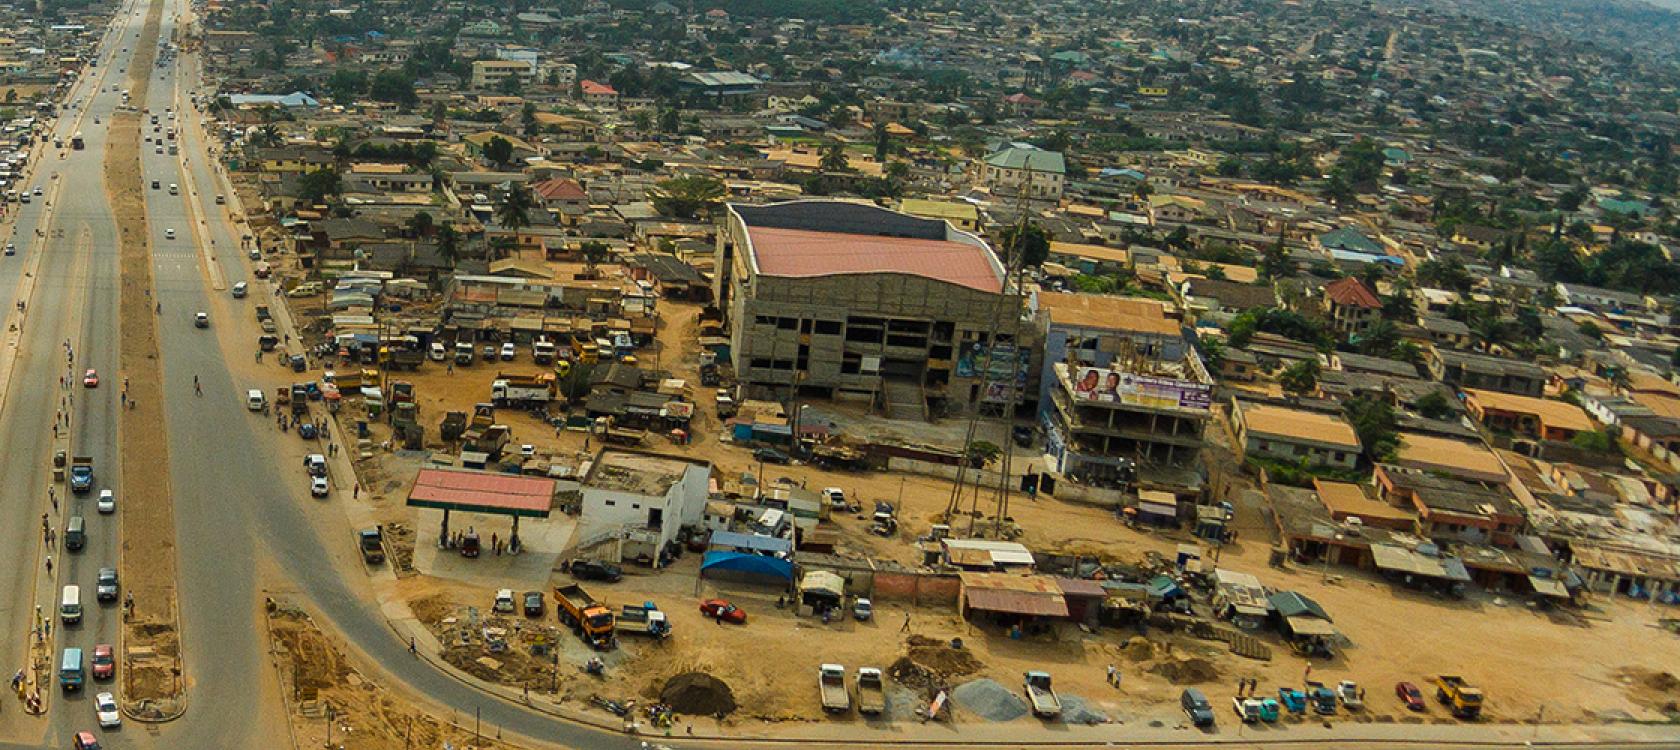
(1122, 392)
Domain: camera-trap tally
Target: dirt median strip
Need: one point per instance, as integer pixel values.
(154, 686)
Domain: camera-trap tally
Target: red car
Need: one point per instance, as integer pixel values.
(85, 741)
(104, 662)
(1409, 695)
(91, 379)
(721, 609)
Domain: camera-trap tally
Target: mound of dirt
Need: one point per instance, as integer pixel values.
(698, 693)
(1138, 648)
(1662, 682)
(938, 658)
(1189, 671)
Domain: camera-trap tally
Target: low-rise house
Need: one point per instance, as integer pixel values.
(1471, 370)
(1527, 416)
(1295, 435)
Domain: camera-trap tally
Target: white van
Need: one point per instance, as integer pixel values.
(254, 399)
(70, 606)
(437, 352)
(174, 189)
(240, 289)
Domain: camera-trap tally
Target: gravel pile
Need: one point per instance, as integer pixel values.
(990, 700)
(1076, 711)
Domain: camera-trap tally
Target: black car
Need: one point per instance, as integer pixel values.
(106, 585)
(771, 456)
(594, 570)
(533, 604)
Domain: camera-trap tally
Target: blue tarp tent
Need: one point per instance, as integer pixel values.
(746, 563)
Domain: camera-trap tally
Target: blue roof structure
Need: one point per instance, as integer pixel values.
(745, 562)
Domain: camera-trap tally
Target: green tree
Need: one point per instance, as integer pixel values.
(345, 84)
(670, 121)
(514, 213)
(834, 159)
(499, 151)
(1030, 240)
(1379, 339)
(1435, 405)
(1301, 378)
(449, 244)
(883, 141)
(320, 184)
(420, 224)
(685, 197)
(593, 251)
(1275, 262)
(394, 86)
(1374, 421)
(1445, 273)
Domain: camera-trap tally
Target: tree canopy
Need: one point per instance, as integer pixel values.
(684, 197)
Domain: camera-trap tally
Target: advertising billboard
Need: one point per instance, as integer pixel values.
(1101, 384)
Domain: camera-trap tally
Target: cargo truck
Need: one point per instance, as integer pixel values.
(831, 680)
(514, 389)
(871, 692)
(81, 474)
(590, 619)
(1459, 695)
(644, 619)
(1045, 704)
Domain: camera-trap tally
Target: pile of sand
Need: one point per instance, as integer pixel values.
(1138, 648)
(1187, 671)
(698, 693)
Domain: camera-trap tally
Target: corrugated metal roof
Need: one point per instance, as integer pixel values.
(451, 489)
(752, 542)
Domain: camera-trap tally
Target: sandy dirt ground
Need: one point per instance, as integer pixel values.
(327, 698)
(151, 645)
(1523, 659)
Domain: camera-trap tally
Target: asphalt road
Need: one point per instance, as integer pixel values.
(73, 299)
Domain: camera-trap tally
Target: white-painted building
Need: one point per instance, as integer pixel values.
(642, 498)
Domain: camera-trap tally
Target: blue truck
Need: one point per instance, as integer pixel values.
(81, 474)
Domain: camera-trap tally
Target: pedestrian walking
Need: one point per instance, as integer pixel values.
(412, 647)
(49, 564)
(495, 543)
(449, 368)
(905, 628)
(356, 491)
(1111, 672)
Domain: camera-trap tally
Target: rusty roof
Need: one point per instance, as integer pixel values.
(1015, 594)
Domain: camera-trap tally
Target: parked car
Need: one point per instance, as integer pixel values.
(771, 456)
(533, 604)
(1196, 706)
(318, 486)
(721, 609)
(594, 570)
(1410, 695)
(509, 352)
(504, 601)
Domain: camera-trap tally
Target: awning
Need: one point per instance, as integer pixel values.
(1310, 626)
(1017, 602)
(1399, 559)
(1157, 509)
(823, 582)
(1549, 587)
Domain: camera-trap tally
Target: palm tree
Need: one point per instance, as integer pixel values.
(449, 244)
(514, 212)
(834, 159)
(1489, 331)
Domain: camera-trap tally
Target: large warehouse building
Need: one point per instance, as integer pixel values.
(851, 301)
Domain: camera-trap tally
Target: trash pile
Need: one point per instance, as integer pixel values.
(930, 663)
(989, 700)
(699, 694)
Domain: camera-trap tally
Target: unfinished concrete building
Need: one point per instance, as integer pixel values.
(832, 299)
